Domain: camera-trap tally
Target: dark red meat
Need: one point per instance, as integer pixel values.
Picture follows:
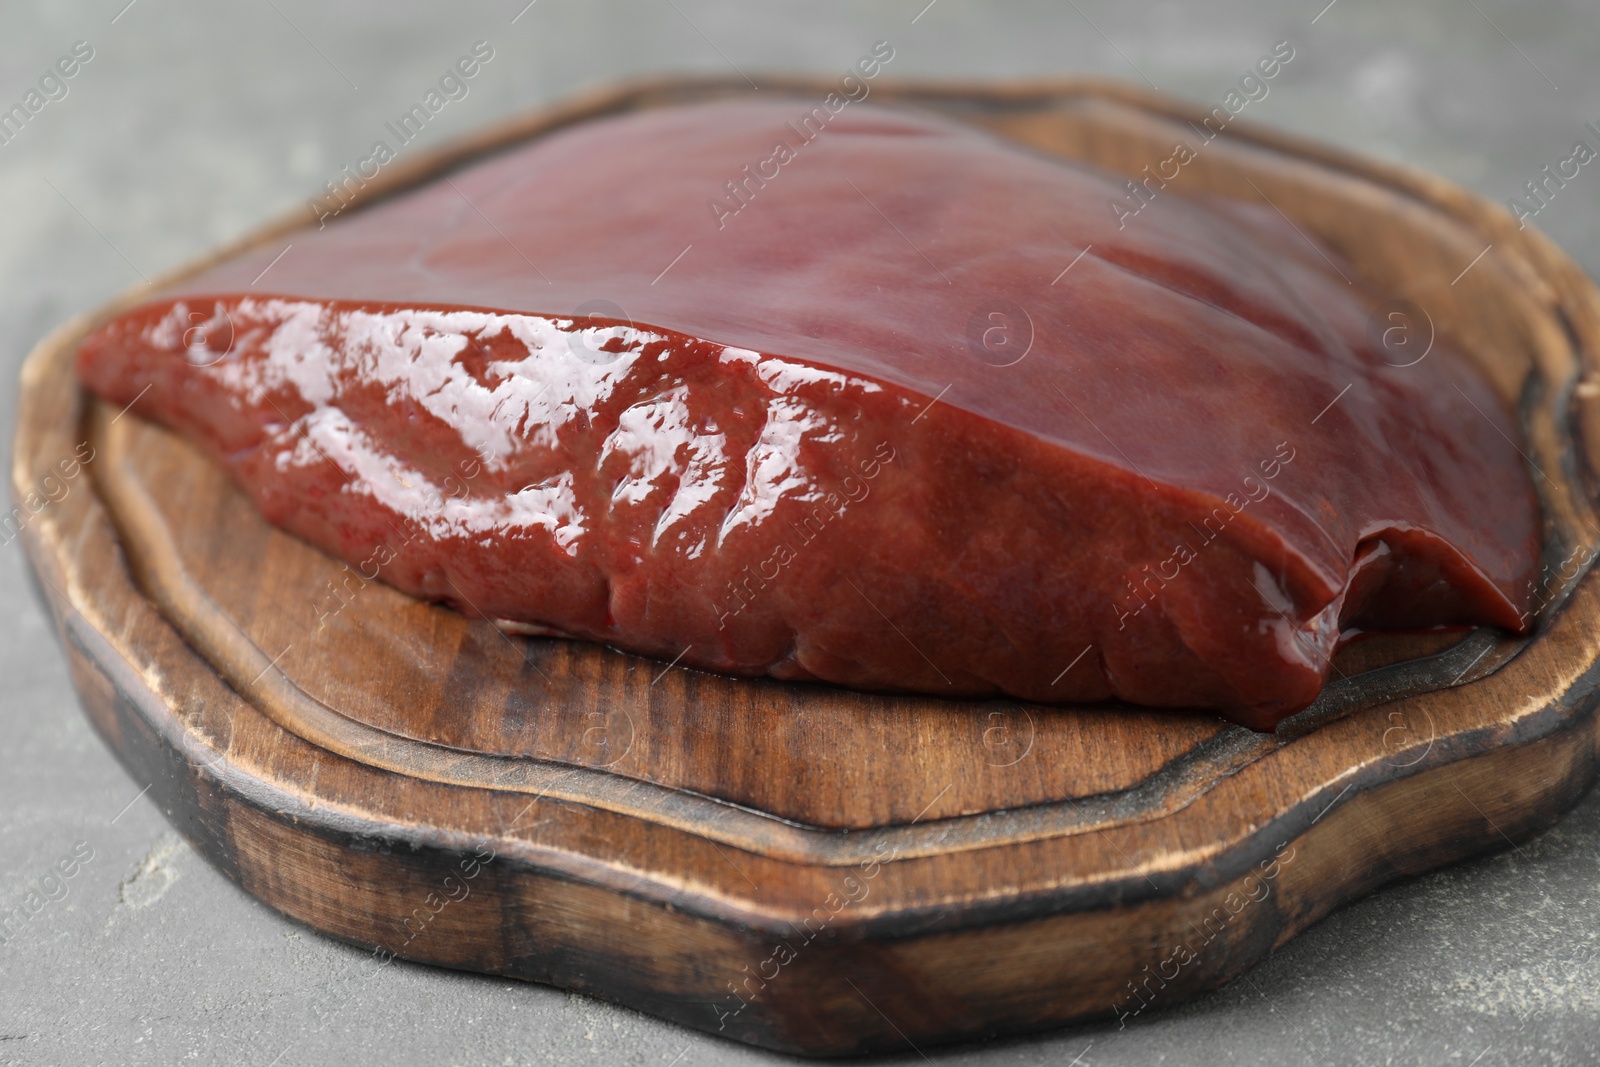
(862, 429)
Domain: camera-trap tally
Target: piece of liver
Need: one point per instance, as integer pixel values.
(856, 422)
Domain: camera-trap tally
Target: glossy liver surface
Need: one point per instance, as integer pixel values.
(849, 401)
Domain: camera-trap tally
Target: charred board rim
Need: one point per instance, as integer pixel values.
(1528, 709)
(167, 756)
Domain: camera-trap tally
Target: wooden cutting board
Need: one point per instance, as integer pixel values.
(800, 867)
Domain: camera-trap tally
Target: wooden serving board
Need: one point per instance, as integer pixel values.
(796, 866)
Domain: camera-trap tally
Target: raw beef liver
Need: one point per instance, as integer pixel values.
(840, 411)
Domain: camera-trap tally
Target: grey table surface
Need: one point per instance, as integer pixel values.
(195, 121)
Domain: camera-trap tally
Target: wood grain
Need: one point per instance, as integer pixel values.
(797, 866)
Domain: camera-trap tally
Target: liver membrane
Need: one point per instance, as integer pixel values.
(833, 411)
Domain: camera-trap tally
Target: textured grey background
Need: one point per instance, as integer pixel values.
(196, 121)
